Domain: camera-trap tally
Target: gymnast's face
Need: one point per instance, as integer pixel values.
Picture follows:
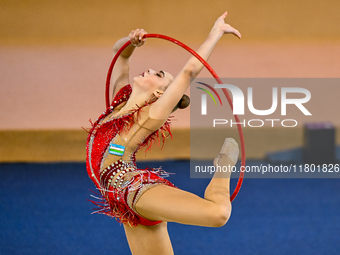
(151, 81)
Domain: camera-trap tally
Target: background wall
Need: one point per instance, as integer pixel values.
(54, 56)
(92, 22)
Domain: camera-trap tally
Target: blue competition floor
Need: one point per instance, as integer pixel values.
(44, 210)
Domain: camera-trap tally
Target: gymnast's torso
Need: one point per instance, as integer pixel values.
(111, 147)
(134, 134)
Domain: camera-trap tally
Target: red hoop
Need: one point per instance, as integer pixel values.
(213, 73)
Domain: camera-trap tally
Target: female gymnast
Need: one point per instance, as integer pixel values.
(140, 198)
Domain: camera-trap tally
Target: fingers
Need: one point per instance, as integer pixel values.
(224, 15)
(237, 33)
(230, 30)
(136, 37)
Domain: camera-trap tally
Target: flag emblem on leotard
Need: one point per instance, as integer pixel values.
(116, 149)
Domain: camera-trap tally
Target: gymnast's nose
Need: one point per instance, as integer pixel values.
(150, 71)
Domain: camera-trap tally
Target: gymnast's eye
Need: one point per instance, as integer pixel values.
(159, 75)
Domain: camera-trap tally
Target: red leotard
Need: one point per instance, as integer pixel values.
(117, 177)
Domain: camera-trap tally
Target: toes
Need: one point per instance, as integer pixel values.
(229, 146)
(232, 140)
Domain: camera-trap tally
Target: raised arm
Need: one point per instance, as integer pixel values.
(120, 74)
(162, 108)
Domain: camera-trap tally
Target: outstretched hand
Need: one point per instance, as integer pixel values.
(136, 37)
(221, 27)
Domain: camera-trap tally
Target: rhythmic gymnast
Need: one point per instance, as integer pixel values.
(140, 198)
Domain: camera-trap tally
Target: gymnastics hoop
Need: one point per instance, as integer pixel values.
(213, 73)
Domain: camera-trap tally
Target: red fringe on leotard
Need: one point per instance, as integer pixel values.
(113, 202)
(102, 134)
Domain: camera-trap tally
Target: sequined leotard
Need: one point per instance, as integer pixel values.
(111, 147)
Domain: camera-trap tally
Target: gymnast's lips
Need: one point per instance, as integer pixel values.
(142, 74)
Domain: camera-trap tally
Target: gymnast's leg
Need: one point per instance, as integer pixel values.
(173, 205)
(149, 240)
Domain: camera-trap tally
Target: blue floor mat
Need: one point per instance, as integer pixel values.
(44, 210)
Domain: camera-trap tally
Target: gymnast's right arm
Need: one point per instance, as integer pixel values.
(120, 74)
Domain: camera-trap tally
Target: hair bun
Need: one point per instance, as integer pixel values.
(184, 102)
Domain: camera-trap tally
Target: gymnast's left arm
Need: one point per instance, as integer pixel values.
(162, 108)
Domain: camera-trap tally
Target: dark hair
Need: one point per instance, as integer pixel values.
(183, 103)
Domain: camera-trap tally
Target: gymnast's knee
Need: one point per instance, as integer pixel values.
(220, 216)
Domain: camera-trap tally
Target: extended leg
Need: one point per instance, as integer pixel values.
(170, 204)
(218, 189)
(174, 205)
